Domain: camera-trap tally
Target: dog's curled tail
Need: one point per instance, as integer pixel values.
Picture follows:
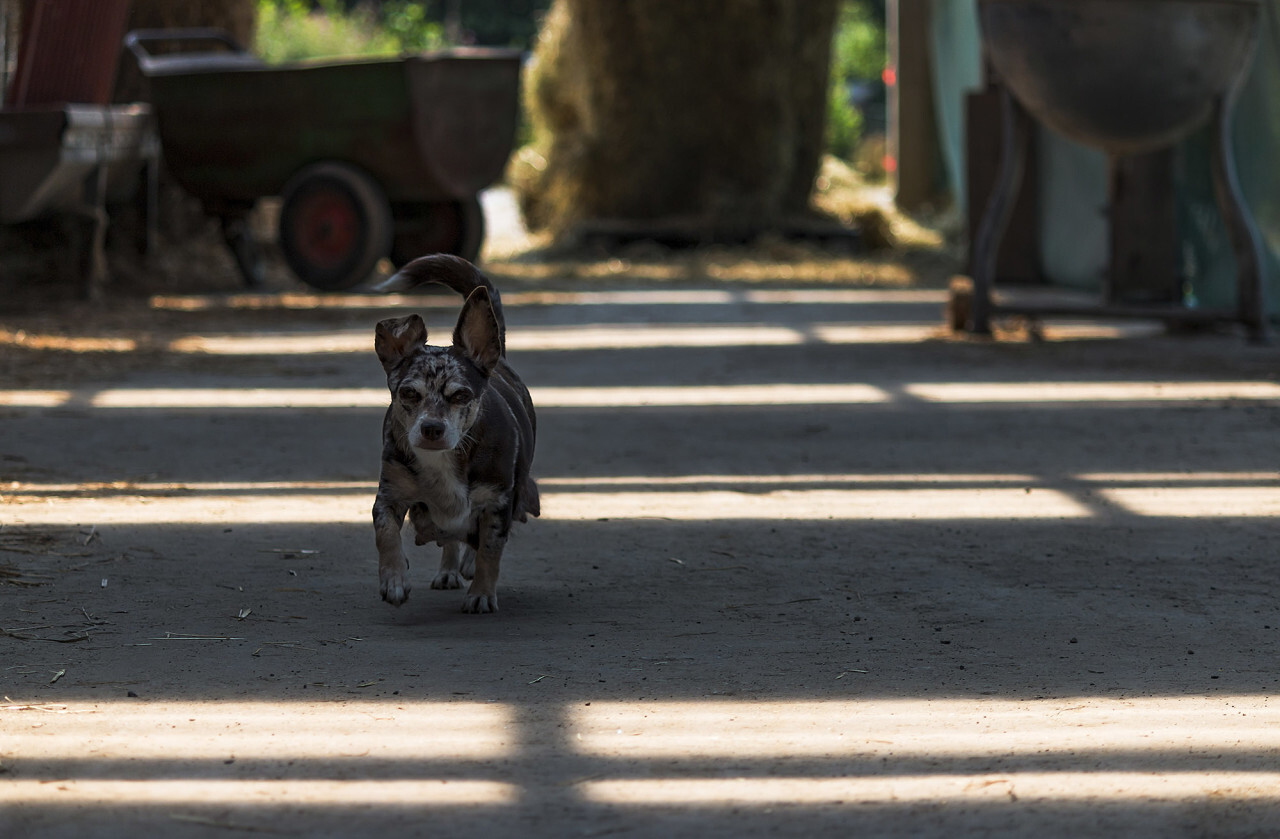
(450, 271)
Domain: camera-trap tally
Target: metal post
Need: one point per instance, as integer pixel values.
(1015, 138)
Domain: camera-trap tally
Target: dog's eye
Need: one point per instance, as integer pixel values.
(408, 394)
(460, 396)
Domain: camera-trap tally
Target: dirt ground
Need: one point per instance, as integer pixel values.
(807, 566)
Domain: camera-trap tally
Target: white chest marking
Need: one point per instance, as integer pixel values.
(453, 505)
(444, 493)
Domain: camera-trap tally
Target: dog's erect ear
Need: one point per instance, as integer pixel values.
(477, 333)
(396, 338)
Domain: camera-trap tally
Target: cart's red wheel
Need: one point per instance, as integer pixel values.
(335, 224)
(453, 227)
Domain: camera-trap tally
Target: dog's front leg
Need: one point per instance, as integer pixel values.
(393, 565)
(482, 596)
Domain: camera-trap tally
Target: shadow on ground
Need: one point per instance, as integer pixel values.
(841, 582)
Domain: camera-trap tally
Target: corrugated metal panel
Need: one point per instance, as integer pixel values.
(68, 52)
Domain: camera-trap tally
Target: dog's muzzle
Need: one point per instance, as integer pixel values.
(432, 435)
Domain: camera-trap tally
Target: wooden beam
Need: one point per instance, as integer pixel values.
(913, 129)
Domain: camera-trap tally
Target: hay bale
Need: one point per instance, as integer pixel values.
(652, 109)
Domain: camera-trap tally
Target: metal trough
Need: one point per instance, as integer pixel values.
(1127, 77)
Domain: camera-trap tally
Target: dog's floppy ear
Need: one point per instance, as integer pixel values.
(395, 338)
(477, 333)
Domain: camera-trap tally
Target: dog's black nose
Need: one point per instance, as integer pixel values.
(431, 429)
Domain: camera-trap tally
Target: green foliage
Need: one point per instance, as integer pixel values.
(509, 23)
(858, 49)
(857, 54)
(844, 122)
(407, 22)
(289, 30)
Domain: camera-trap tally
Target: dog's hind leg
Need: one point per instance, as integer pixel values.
(451, 566)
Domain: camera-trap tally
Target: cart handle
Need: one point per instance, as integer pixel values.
(150, 63)
(134, 40)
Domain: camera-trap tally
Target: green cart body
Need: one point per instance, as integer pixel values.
(372, 158)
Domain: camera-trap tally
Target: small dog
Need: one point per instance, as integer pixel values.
(457, 440)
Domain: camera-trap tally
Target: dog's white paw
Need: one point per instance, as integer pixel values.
(480, 604)
(394, 586)
(447, 579)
